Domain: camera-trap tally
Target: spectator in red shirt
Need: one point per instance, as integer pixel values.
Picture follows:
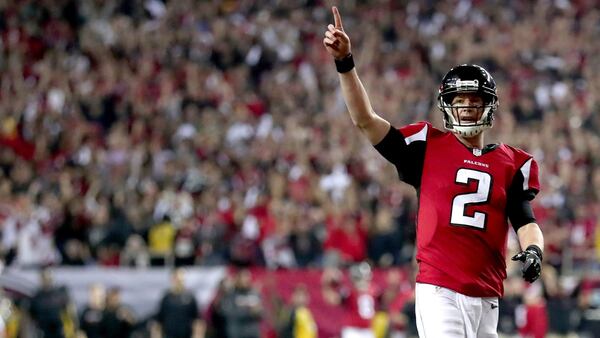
(346, 239)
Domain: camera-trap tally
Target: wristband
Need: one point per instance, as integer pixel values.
(536, 249)
(345, 64)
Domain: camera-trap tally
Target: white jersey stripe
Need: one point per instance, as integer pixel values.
(419, 136)
(525, 170)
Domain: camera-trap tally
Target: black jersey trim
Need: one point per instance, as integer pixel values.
(408, 159)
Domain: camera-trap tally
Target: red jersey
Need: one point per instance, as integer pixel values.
(462, 224)
(361, 307)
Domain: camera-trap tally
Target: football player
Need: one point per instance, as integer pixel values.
(360, 301)
(467, 193)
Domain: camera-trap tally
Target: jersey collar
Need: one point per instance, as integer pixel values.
(476, 151)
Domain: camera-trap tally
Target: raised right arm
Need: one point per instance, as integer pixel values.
(337, 43)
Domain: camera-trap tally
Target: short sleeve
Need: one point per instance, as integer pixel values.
(405, 149)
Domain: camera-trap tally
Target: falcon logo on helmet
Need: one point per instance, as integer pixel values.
(468, 79)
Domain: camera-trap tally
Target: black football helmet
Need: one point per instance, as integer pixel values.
(468, 79)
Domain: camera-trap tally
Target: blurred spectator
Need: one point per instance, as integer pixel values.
(383, 243)
(301, 323)
(276, 248)
(508, 305)
(10, 315)
(117, 320)
(75, 253)
(216, 326)
(304, 238)
(346, 238)
(5, 315)
(91, 321)
(305, 245)
(398, 300)
(135, 253)
(161, 238)
(331, 286)
(408, 312)
(244, 251)
(178, 315)
(26, 236)
(119, 228)
(3, 330)
(361, 303)
(185, 244)
(51, 309)
(242, 308)
(532, 316)
(212, 238)
(74, 227)
(560, 304)
(589, 307)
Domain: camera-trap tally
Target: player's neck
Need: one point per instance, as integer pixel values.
(472, 142)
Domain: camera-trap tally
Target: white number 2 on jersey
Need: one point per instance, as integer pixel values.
(460, 202)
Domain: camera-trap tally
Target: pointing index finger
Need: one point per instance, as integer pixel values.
(337, 18)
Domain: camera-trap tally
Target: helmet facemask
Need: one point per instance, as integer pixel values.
(454, 83)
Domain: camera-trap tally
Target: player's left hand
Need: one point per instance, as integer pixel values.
(532, 263)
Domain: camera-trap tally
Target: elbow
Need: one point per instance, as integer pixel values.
(364, 123)
(361, 126)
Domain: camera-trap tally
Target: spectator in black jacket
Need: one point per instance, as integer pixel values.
(177, 315)
(51, 309)
(118, 320)
(243, 308)
(91, 319)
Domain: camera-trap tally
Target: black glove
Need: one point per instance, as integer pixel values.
(532, 262)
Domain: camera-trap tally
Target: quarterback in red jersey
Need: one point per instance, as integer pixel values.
(467, 192)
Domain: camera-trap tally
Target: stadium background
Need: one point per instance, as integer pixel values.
(139, 135)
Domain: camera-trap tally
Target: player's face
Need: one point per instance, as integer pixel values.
(467, 108)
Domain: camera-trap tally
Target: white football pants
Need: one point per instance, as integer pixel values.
(443, 313)
(357, 332)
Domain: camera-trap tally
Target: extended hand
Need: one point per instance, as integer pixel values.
(336, 41)
(532, 263)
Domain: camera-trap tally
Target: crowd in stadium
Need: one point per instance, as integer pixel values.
(150, 133)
